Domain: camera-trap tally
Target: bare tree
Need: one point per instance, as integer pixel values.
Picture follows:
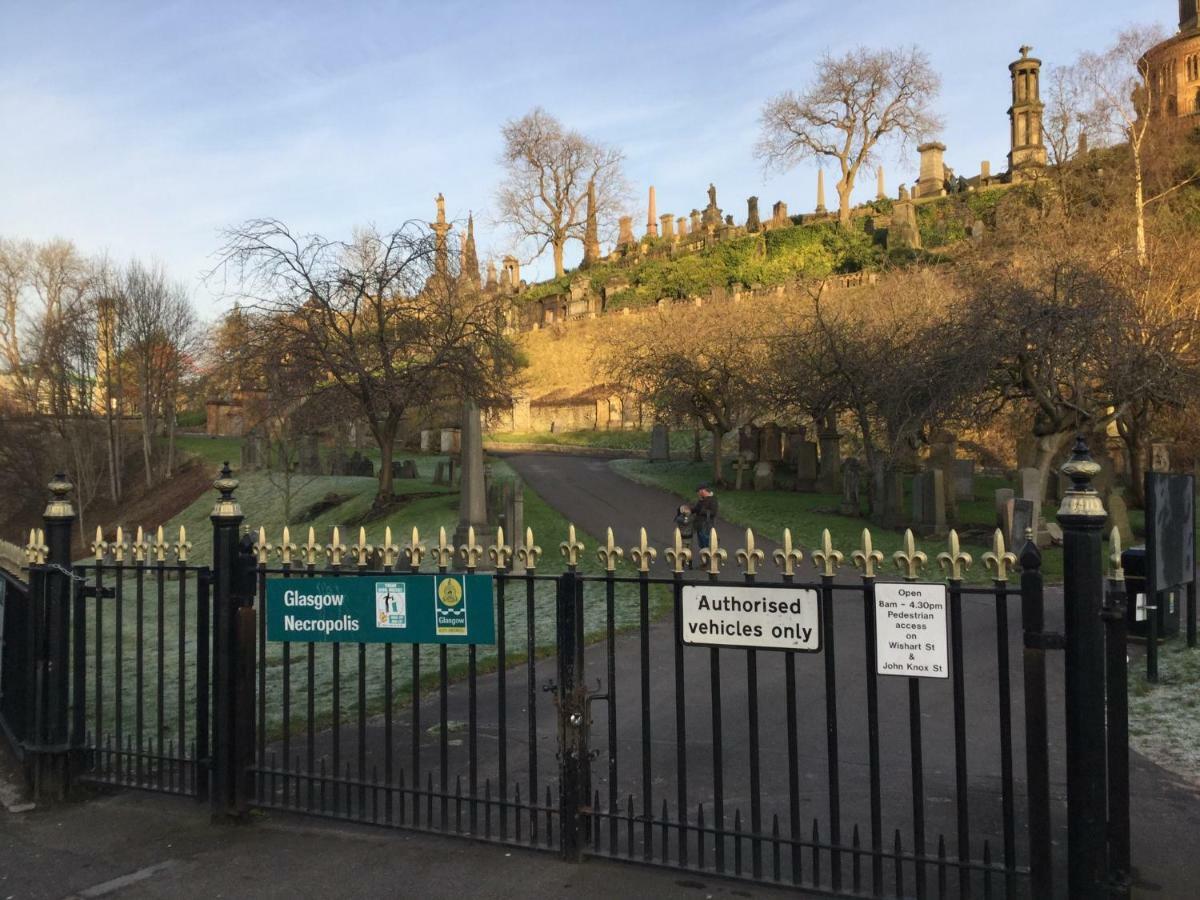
(161, 328)
(547, 169)
(856, 102)
(1120, 102)
(380, 316)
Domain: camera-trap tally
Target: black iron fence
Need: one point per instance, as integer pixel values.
(598, 723)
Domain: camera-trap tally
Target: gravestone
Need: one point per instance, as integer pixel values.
(929, 502)
(252, 451)
(338, 464)
(888, 492)
(426, 440)
(806, 466)
(359, 466)
(831, 460)
(405, 468)
(444, 473)
(764, 475)
(451, 441)
(472, 501)
(962, 473)
(660, 443)
(1160, 458)
(1029, 481)
(308, 455)
(740, 465)
(1118, 518)
(1004, 498)
(851, 504)
(1023, 520)
(792, 439)
(748, 442)
(771, 443)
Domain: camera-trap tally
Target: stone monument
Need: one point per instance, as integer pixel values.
(660, 443)
(472, 504)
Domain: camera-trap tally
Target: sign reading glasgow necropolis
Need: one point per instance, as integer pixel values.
(772, 618)
(395, 609)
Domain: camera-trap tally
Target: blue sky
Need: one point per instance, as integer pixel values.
(144, 128)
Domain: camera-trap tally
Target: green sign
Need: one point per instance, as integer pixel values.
(390, 609)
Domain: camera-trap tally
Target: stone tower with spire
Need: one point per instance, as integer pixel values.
(1025, 115)
(470, 258)
(441, 228)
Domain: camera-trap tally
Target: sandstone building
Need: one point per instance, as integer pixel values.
(1172, 69)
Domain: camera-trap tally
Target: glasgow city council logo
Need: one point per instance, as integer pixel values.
(450, 612)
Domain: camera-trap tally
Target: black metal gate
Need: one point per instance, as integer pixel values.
(592, 728)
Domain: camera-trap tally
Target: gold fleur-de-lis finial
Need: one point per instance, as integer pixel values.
(867, 557)
(712, 555)
(643, 554)
(500, 553)
(786, 557)
(443, 553)
(141, 547)
(610, 553)
(1114, 556)
(997, 559)
(36, 549)
(910, 560)
(118, 546)
(414, 550)
(335, 548)
(160, 546)
(182, 546)
(471, 552)
(826, 558)
(529, 552)
(42, 549)
(263, 547)
(390, 551)
(286, 548)
(99, 545)
(362, 550)
(571, 548)
(679, 556)
(954, 561)
(750, 557)
(311, 547)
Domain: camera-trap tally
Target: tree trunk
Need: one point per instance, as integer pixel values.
(1049, 446)
(114, 486)
(1132, 434)
(1139, 207)
(718, 474)
(386, 435)
(697, 454)
(558, 259)
(147, 453)
(844, 189)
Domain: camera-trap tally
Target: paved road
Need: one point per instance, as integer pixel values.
(1166, 814)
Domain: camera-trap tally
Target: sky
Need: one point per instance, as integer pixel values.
(144, 128)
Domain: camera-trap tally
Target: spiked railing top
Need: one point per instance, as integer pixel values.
(998, 560)
(529, 552)
(160, 546)
(954, 562)
(362, 550)
(182, 546)
(140, 547)
(750, 557)
(643, 555)
(390, 551)
(36, 549)
(311, 548)
(571, 548)
(262, 547)
(867, 558)
(471, 552)
(286, 547)
(827, 558)
(910, 561)
(118, 546)
(713, 556)
(679, 556)
(99, 545)
(443, 553)
(414, 549)
(786, 557)
(610, 553)
(500, 553)
(335, 548)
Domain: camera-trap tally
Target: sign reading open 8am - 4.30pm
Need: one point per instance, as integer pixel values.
(910, 629)
(775, 618)
(390, 609)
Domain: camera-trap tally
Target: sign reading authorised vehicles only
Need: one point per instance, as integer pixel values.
(770, 618)
(910, 630)
(387, 609)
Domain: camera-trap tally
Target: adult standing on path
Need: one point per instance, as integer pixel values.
(705, 512)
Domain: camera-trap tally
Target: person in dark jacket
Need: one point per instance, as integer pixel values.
(704, 510)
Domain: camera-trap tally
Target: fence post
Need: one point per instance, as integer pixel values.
(1082, 516)
(52, 612)
(1037, 748)
(227, 667)
(1117, 693)
(573, 761)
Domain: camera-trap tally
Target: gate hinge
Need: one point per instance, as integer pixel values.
(1045, 640)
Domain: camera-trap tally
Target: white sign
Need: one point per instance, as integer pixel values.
(776, 618)
(910, 630)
